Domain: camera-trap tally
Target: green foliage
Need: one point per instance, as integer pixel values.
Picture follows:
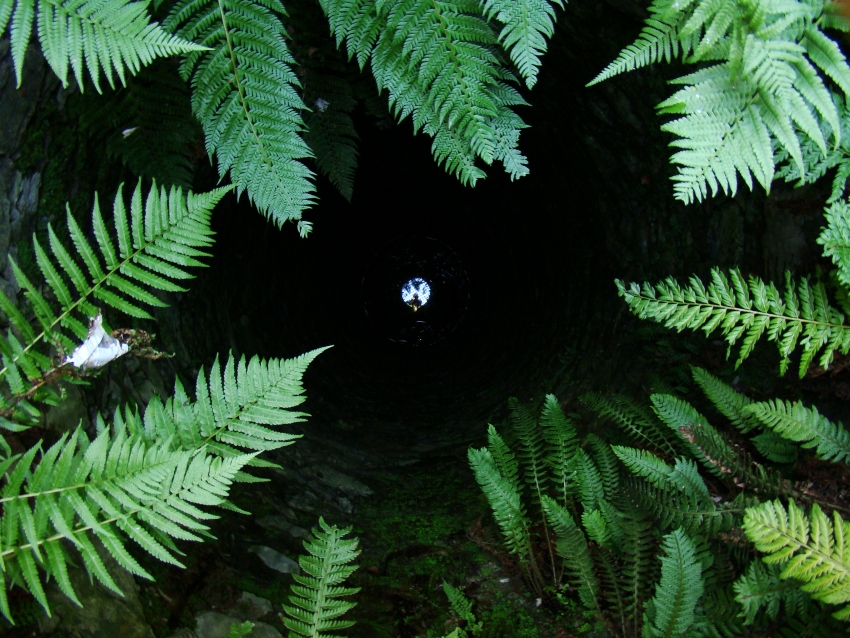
(527, 24)
(315, 604)
(233, 407)
(148, 126)
(502, 491)
(244, 93)
(747, 310)
(672, 611)
(158, 238)
(440, 64)
(810, 549)
(796, 422)
(111, 37)
(79, 489)
(765, 87)
(240, 630)
(462, 606)
(572, 547)
(835, 238)
(330, 130)
(636, 420)
(762, 588)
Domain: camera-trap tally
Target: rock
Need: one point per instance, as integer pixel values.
(211, 624)
(71, 410)
(104, 613)
(251, 607)
(305, 502)
(282, 523)
(338, 480)
(275, 559)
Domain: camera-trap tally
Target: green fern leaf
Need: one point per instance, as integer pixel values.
(527, 24)
(315, 606)
(562, 441)
(149, 125)
(835, 239)
(244, 92)
(235, 407)
(572, 547)
(810, 549)
(503, 495)
(147, 489)
(796, 422)
(169, 232)
(439, 64)
(330, 130)
(671, 612)
(747, 311)
(111, 37)
(635, 419)
(762, 588)
(729, 402)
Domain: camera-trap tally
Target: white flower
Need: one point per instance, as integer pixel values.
(98, 349)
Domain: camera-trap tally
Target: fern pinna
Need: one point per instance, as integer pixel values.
(79, 492)
(746, 310)
(441, 65)
(244, 92)
(111, 37)
(156, 240)
(315, 605)
(765, 85)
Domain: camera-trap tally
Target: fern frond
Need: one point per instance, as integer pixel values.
(714, 451)
(796, 422)
(589, 480)
(767, 88)
(671, 612)
(835, 239)
(235, 407)
(527, 24)
(638, 567)
(148, 490)
(529, 435)
(158, 239)
(244, 92)
(316, 607)
(572, 547)
(676, 496)
(763, 588)
(729, 402)
(112, 37)
(462, 606)
(439, 63)
(810, 549)
(747, 310)
(148, 125)
(633, 417)
(658, 40)
(560, 435)
(503, 495)
(330, 130)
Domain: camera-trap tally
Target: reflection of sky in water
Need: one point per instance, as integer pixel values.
(415, 293)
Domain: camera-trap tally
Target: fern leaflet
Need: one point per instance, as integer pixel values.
(157, 240)
(107, 36)
(671, 612)
(810, 549)
(747, 310)
(796, 422)
(147, 489)
(316, 607)
(245, 95)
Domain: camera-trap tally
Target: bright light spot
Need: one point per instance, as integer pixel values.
(415, 293)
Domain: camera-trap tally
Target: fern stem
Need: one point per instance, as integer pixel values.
(243, 102)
